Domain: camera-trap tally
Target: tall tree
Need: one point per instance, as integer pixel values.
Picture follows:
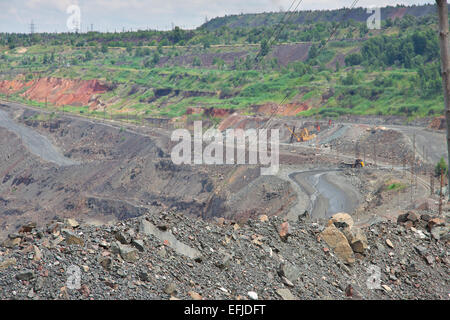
(445, 58)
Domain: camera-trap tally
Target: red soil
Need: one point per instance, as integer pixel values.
(289, 109)
(8, 87)
(437, 123)
(57, 91)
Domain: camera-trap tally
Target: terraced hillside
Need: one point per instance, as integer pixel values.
(321, 67)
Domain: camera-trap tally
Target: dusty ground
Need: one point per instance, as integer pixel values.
(119, 171)
(216, 232)
(117, 174)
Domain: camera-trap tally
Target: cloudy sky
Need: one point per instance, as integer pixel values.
(116, 15)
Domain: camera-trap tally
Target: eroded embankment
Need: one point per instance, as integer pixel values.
(57, 91)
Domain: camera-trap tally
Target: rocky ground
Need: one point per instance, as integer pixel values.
(154, 244)
(117, 173)
(168, 255)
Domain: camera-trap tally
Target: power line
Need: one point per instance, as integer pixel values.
(337, 26)
(280, 25)
(331, 35)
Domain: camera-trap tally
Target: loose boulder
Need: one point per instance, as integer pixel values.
(339, 243)
(341, 220)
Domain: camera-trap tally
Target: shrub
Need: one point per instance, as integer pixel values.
(441, 168)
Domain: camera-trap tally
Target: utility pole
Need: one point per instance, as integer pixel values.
(364, 152)
(375, 154)
(32, 27)
(442, 7)
(431, 184)
(414, 160)
(440, 192)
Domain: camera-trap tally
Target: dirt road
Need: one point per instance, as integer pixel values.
(328, 192)
(432, 143)
(35, 142)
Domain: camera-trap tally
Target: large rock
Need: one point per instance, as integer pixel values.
(25, 275)
(11, 243)
(72, 223)
(286, 294)
(341, 220)
(138, 244)
(441, 233)
(128, 253)
(5, 263)
(435, 222)
(105, 262)
(122, 237)
(289, 271)
(147, 228)
(356, 238)
(339, 243)
(72, 238)
(284, 231)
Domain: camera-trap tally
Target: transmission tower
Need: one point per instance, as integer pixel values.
(32, 27)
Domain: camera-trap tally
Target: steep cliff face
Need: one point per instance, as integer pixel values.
(57, 91)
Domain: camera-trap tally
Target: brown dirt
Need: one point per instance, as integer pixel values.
(57, 91)
(437, 123)
(289, 109)
(398, 14)
(286, 54)
(8, 87)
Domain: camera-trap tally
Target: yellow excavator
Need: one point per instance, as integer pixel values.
(357, 164)
(304, 134)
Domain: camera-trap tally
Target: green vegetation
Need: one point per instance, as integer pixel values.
(396, 186)
(441, 168)
(231, 63)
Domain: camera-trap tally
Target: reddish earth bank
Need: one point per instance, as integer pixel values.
(57, 91)
(437, 123)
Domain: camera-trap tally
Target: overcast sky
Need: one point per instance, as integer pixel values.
(114, 15)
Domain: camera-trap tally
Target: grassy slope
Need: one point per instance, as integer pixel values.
(244, 88)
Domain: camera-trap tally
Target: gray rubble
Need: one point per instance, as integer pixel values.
(151, 257)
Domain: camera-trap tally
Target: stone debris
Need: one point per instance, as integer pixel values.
(156, 256)
(339, 243)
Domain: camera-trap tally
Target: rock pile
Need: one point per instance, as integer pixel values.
(344, 238)
(167, 255)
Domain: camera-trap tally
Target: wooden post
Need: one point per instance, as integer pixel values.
(374, 155)
(440, 192)
(364, 151)
(431, 184)
(442, 8)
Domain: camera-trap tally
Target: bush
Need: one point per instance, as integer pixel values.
(353, 59)
(196, 62)
(441, 168)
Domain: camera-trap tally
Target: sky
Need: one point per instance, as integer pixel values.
(119, 15)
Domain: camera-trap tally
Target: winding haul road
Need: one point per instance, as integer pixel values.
(35, 142)
(322, 192)
(328, 194)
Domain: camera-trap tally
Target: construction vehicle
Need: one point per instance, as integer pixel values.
(303, 136)
(357, 164)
